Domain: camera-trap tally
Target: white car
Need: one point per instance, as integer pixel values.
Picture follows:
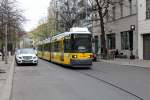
(26, 56)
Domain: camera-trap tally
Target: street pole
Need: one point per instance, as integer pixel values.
(6, 60)
(56, 16)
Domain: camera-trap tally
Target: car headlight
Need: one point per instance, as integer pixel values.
(19, 57)
(34, 57)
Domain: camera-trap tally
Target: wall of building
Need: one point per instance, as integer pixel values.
(143, 25)
(120, 24)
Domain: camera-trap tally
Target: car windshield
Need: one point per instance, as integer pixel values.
(27, 51)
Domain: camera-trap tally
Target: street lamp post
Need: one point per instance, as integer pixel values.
(6, 61)
(132, 28)
(6, 30)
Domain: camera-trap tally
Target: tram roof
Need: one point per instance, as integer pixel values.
(44, 41)
(59, 36)
(74, 30)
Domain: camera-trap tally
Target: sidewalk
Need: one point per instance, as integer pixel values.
(135, 62)
(6, 75)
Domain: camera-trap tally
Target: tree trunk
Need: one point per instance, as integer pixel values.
(103, 41)
(3, 51)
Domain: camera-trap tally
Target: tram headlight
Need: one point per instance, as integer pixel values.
(90, 56)
(74, 56)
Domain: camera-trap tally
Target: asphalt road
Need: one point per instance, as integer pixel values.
(48, 81)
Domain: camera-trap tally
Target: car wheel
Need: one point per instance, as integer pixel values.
(17, 64)
(36, 64)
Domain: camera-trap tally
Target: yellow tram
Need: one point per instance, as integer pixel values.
(72, 48)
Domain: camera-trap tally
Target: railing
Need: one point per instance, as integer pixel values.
(110, 55)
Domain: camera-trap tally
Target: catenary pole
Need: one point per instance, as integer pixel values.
(6, 30)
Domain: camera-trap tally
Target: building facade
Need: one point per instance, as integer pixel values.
(144, 29)
(120, 27)
(126, 26)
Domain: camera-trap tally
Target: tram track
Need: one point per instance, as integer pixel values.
(108, 83)
(78, 70)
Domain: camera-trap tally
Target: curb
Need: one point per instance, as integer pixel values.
(126, 64)
(9, 82)
(112, 62)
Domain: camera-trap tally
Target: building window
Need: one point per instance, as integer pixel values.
(96, 44)
(147, 9)
(121, 8)
(125, 40)
(111, 41)
(130, 4)
(113, 12)
(107, 16)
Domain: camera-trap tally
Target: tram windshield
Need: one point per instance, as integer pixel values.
(82, 43)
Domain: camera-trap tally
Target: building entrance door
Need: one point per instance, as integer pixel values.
(146, 47)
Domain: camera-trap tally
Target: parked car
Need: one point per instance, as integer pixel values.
(26, 56)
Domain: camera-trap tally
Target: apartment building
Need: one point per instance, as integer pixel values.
(121, 28)
(126, 25)
(144, 29)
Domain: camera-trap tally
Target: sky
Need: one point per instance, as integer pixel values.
(34, 11)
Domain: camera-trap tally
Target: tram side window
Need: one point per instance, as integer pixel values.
(46, 47)
(39, 48)
(59, 46)
(52, 47)
(56, 46)
(67, 44)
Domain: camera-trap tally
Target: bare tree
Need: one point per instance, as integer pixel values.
(11, 16)
(102, 8)
(70, 12)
